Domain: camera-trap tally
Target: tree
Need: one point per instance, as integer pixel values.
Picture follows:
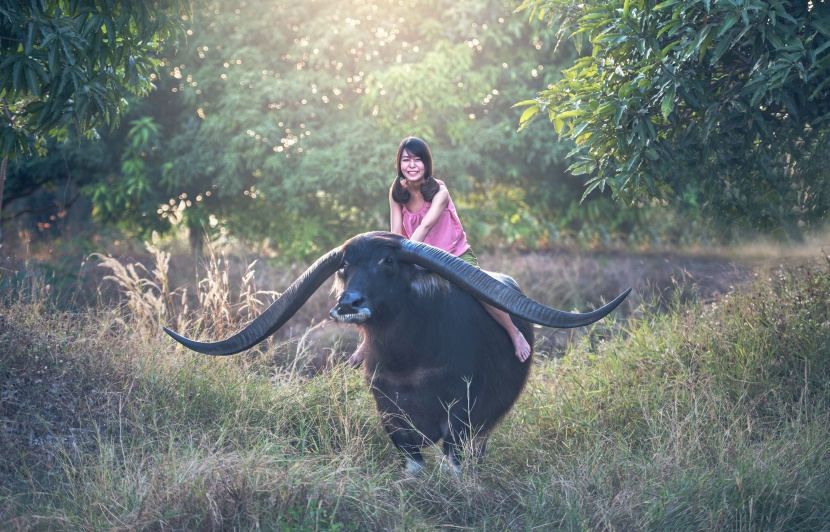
(280, 121)
(276, 123)
(726, 103)
(71, 63)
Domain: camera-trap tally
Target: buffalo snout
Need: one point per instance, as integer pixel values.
(351, 308)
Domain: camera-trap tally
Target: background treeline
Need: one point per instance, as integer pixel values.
(278, 124)
(275, 123)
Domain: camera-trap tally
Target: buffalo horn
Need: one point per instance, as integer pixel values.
(486, 288)
(275, 315)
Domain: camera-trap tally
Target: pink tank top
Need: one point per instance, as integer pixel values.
(446, 234)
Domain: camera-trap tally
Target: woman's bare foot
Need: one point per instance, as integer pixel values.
(521, 346)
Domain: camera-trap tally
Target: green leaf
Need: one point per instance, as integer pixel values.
(570, 114)
(728, 21)
(668, 48)
(775, 40)
(524, 103)
(817, 91)
(593, 185)
(528, 113)
(582, 168)
(17, 84)
(664, 5)
(667, 106)
(707, 35)
(618, 114)
(722, 46)
(30, 40)
(32, 81)
(558, 124)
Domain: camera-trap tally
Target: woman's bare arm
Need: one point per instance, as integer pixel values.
(395, 216)
(439, 203)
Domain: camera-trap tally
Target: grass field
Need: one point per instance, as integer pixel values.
(685, 413)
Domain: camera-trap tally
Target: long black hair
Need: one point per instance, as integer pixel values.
(420, 149)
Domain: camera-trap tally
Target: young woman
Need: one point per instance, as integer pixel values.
(421, 210)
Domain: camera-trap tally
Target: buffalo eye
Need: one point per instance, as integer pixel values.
(387, 265)
(342, 271)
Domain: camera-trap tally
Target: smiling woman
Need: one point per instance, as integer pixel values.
(413, 167)
(421, 210)
(414, 187)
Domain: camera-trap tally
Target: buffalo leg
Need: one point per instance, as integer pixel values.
(479, 447)
(453, 452)
(453, 447)
(414, 459)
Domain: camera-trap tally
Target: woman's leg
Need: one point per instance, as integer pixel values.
(357, 356)
(519, 342)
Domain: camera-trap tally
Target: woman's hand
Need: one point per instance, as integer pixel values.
(439, 203)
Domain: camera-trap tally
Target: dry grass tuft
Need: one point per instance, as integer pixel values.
(695, 413)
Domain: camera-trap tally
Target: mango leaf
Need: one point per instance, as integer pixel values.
(706, 35)
(667, 105)
(729, 20)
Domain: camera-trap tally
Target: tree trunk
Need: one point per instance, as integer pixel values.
(3, 167)
(196, 237)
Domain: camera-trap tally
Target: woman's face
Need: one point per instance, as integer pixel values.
(412, 167)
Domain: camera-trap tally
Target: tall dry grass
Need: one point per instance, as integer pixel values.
(150, 302)
(711, 414)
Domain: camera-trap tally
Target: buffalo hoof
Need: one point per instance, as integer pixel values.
(413, 467)
(452, 465)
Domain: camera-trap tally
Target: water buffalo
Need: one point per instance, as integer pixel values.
(438, 366)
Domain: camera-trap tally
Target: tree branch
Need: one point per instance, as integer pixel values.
(42, 210)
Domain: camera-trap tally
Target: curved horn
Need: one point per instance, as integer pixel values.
(275, 315)
(485, 288)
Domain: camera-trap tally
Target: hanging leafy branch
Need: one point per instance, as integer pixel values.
(729, 98)
(72, 62)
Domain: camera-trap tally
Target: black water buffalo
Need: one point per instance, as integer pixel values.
(439, 367)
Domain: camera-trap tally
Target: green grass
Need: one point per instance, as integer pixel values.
(705, 417)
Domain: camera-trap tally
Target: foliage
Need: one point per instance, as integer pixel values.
(281, 122)
(277, 125)
(725, 101)
(68, 65)
(123, 198)
(71, 63)
(65, 166)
